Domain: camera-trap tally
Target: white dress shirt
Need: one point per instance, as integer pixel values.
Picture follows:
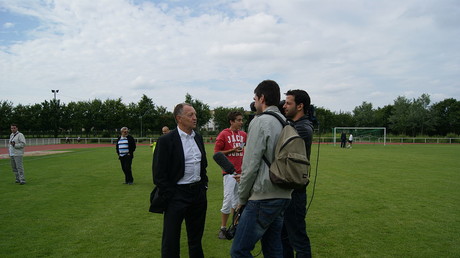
(192, 156)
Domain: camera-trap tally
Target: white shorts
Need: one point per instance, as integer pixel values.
(230, 194)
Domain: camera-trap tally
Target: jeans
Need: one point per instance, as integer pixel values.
(294, 235)
(261, 220)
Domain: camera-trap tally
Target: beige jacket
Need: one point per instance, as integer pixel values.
(20, 143)
(255, 183)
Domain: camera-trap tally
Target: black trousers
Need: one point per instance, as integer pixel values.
(188, 203)
(126, 162)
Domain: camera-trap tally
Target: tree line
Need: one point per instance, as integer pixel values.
(97, 118)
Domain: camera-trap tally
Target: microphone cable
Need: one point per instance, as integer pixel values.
(316, 170)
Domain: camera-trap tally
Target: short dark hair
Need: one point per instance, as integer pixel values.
(300, 97)
(179, 108)
(270, 90)
(232, 115)
(15, 125)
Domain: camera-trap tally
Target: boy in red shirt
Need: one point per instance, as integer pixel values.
(230, 142)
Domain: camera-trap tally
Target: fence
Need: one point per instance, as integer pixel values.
(392, 140)
(327, 140)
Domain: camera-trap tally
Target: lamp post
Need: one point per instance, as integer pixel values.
(56, 113)
(55, 92)
(141, 124)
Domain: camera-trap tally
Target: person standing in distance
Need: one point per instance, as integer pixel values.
(343, 140)
(165, 130)
(294, 235)
(230, 142)
(16, 151)
(350, 141)
(179, 172)
(264, 202)
(126, 145)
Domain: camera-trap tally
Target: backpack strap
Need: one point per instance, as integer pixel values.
(283, 123)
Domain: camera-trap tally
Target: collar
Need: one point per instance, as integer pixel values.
(184, 134)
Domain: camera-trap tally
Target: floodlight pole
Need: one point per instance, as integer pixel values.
(55, 92)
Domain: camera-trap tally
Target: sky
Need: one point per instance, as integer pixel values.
(342, 52)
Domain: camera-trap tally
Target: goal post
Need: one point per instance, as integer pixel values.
(363, 134)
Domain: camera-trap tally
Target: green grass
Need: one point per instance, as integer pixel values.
(370, 201)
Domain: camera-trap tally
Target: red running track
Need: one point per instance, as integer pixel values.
(58, 147)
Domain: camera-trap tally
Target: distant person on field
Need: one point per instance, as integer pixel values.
(126, 145)
(165, 130)
(294, 235)
(179, 173)
(16, 151)
(343, 140)
(230, 142)
(350, 140)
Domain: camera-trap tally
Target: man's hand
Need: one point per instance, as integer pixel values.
(237, 177)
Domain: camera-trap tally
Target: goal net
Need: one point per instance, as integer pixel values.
(376, 135)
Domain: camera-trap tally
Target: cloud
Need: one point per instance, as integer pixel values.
(342, 53)
(8, 25)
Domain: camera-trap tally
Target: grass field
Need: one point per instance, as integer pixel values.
(370, 201)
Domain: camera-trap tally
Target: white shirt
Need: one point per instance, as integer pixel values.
(192, 156)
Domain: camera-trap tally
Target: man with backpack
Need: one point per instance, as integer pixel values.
(264, 202)
(294, 235)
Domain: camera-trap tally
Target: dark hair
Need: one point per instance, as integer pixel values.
(232, 115)
(179, 108)
(300, 97)
(15, 125)
(270, 90)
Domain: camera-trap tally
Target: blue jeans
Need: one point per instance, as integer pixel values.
(261, 220)
(294, 235)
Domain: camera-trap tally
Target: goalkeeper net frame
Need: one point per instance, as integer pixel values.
(364, 136)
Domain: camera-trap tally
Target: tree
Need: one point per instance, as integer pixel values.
(446, 114)
(115, 115)
(6, 111)
(382, 116)
(325, 119)
(147, 114)
(203, 113)
(364, 115)
(399, 116)
(220, 116)
(418, 116)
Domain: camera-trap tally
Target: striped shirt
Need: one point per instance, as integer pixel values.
(123, 146)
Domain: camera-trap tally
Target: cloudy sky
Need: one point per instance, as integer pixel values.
(342, 52)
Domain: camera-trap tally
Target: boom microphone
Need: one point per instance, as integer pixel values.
(223, 162)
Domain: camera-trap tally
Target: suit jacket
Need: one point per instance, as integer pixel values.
(169, 163)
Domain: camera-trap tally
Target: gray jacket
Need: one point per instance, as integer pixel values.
(20, 143)
(255, 183)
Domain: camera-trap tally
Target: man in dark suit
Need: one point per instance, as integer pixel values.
(179, 172)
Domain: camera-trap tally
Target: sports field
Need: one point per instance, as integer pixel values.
(370, 201)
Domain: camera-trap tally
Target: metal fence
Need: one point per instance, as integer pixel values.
(211, 139)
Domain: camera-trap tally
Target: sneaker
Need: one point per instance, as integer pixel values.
(22, 183)
(222, 232)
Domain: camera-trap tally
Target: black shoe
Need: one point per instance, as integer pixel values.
(22, 183)
(130, 183)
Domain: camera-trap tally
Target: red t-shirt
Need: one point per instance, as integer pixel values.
(228, 139)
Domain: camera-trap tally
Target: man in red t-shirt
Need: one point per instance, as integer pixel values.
(231, 142)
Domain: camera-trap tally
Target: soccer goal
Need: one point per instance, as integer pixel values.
(376, 135)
